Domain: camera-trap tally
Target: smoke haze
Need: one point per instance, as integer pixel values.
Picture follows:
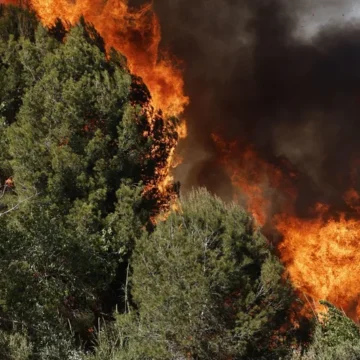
(282, 77)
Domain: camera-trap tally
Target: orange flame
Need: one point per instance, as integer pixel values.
(134, 33)
(254, 180)
(320, 253)
(322, 258)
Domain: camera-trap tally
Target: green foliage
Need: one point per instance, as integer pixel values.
(49, 279)
(79, 144)
(336, 337)
(205, 286)
(14, 346)
(73, 166)
(79, 130)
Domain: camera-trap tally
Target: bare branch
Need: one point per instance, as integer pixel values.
(16, 206)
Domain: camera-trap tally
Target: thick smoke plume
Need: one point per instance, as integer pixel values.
(282, 76)
(273, 122)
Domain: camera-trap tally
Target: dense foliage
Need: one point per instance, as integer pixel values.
(84, 272)
(205, 286)
(73, 166)
(336, 337)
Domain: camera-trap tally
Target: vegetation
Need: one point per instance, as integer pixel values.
(204, 285)
(335, 337)
(85, 274)
(73, 167)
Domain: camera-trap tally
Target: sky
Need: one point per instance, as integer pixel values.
(315, 14)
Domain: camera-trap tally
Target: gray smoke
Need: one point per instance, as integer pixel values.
(283, 76)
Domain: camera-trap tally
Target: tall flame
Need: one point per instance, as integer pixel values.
(321, 252)
(136, 34)
(323, 259)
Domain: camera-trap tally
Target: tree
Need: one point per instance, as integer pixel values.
(336, 337)
(79, 132)
(205, 285)
(15, 23)
(76, 132)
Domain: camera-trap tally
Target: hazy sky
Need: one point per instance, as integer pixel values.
(314, 14)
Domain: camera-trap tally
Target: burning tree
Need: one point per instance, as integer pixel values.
(79, 130)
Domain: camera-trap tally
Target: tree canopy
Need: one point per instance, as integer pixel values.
(205, 285)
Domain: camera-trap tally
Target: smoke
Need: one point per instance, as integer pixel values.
(282, 79)
(282, 76)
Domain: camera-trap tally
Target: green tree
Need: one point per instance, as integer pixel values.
(76, 132)
(205, 285)
(79, 132)
(15, 23)
(336, 337)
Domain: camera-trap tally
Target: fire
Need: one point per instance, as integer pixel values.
(322, 258)
(133, 32)
(136, 34)
(255, 181)
(320, 252)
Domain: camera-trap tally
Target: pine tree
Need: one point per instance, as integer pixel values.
(74, 163)
(336, 337)
(205, 285)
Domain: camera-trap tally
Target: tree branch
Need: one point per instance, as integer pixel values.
(16, 206)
